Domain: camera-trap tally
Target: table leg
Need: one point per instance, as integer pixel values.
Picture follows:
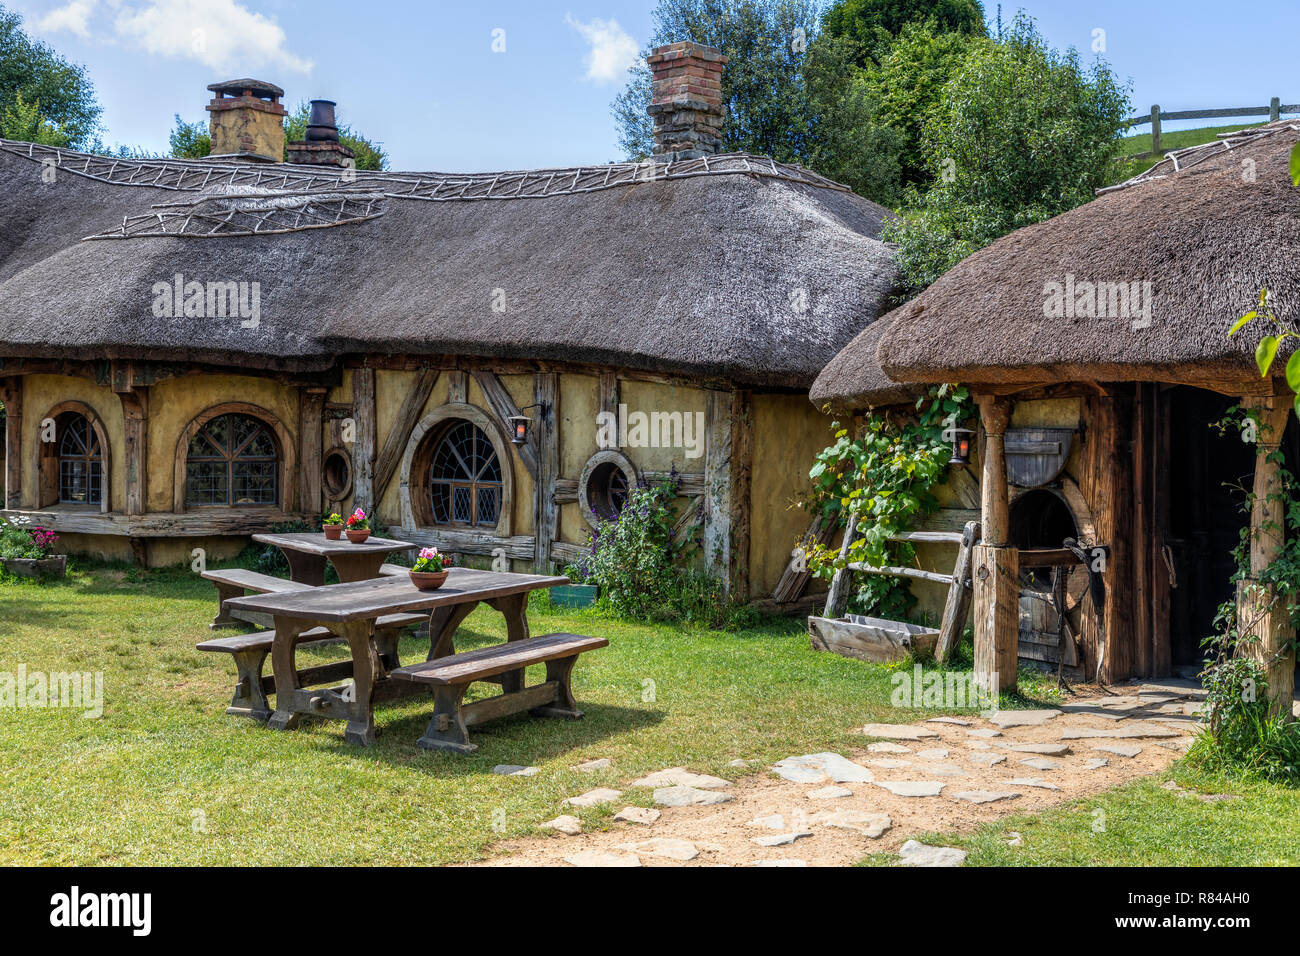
(446, 730)
(225, 592)
(305, 568)
(443, 622)
(365, 671)
(514, 607)
(284, 666)
(361, 566)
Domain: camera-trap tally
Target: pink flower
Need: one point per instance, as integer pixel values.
(428, 552)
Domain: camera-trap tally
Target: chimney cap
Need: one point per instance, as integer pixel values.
(256, 87)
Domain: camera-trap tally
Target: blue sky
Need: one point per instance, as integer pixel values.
(423, 78)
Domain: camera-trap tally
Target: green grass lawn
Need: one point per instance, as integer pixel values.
(1144, 824)
(166, 777)
(1137, 147)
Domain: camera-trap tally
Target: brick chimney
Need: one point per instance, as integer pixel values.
(686, 100)
(322, 146)
(247, 121)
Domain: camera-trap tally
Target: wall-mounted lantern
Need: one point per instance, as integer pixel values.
(960, 446)
(519, 424)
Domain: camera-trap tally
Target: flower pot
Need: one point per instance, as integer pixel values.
(428, 580)
(333, 531)
(356, 537)
(575, 595)
(55, 564)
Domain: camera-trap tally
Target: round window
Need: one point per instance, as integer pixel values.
(336, 474)
(603, 489)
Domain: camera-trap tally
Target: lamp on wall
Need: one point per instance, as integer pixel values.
(519, 424)
(960, 446)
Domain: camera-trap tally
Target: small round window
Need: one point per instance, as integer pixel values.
(606, 482)
(336, 474)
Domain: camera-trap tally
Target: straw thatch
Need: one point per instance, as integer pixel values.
(854, 379)
(741, 270)
(1206, 236)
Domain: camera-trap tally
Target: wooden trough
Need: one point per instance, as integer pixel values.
(871, 638)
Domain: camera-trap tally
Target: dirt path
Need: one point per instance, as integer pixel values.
(1157, 719)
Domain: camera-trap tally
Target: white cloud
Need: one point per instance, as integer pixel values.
(74, 17)
(222, 34)
(613, 52)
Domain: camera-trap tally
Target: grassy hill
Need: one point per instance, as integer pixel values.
(1135, 147)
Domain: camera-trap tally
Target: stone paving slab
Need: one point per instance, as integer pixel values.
(912, 853)
(675, 776)
(898, 731)
(985, 796)
(912, 788)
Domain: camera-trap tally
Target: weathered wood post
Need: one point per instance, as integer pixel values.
(1155, 132)
(995, 564)
(12, 395)
(1274, 109)
(311, 407)
(1263, 616)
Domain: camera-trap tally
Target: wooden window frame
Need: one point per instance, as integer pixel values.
(47, 461)
(286, 463)
(414, 473)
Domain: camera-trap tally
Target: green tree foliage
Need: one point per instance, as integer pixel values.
(1020, 134)
(190, 140)
(873, 25)
(907, 85)
(33, 77)
(765, 101)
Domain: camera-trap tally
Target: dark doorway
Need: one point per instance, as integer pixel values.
(1209, 476)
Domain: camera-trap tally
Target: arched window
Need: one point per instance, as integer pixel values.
(232, 460)
(464, 478)
(81, 462)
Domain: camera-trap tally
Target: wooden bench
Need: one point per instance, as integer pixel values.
(250, 651)
(449, 677)
(236, 582)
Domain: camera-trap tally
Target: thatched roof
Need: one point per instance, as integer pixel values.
(1207, 228)
(734, 268)
(854, 379)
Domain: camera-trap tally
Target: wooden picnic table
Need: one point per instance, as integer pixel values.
(307, 553)
(350, 611)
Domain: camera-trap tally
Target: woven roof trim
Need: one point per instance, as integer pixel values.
(197, 175)
(1178, 160)
(257, 214)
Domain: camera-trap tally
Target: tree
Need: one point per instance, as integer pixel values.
(873, 24)
(193, 141)
(907, 84)
(765, 101)
(1020, 134)
(34, 77)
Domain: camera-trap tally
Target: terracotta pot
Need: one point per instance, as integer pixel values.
(428, 580)
(333, 531)
(356, 537)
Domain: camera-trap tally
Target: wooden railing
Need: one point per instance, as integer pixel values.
(1273, 111)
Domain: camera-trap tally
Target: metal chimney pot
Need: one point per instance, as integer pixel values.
(321, 126)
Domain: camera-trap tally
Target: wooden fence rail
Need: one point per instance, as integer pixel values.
(1273, 111)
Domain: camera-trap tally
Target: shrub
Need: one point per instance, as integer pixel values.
(640, 572)
(21, 541)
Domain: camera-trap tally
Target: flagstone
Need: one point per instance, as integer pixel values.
(1046, 750)
(1033, 782)
(680, 776)
(1022, 718)
(642, 815)
(593, 797)
(781, 839)
(913, 853)
(888, 748)
(667, 847)
(1041, 763)
(987, 759)
(872, 825)
(985, 796)
(566, 824)
(830, 793)
(1120, 750)
(602, 858)
(680, 796)
(912, 788)
(898, 731)
(1133, 731)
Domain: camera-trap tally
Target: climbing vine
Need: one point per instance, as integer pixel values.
(885, 478)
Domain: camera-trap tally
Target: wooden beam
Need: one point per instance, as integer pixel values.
(793, 580)
(13, 401)
(457, 387)
(546, 437)
(957, 607)
(311, 407)
(995, 415)
(503, 406)
(135, 416)
(363, 448)
(522, 547)
(1262, 612)
(399, 431)
(995, 567)
(742, 467)
(717, 483)
(837, 599)
(160, 524)
(609, 397)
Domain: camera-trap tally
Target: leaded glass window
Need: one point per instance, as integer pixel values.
(465, 478)
(232, 460)
(81, 463)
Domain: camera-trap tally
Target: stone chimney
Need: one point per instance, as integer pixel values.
(247, 121)
(322, 146)
(686, 100)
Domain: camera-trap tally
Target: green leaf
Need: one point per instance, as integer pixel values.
(1293, 371)
(1295, 165)
(1265, 352)
(1241, 323)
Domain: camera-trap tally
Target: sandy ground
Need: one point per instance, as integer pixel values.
(724, 834)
